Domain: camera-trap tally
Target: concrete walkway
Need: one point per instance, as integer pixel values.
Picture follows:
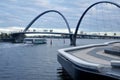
(100, 57)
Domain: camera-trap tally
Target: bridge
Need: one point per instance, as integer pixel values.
(42, 33)
(80, 36)
(18, 37)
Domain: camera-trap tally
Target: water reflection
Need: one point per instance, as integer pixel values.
(35, 62)
(62, 74)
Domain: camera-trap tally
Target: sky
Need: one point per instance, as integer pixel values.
(16, 15)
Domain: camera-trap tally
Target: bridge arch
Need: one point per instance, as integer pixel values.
(29, 25)
(80, 20)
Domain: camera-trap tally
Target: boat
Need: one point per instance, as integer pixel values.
(35, 40)
(98, 61)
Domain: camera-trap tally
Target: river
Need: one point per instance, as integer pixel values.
(35, 62)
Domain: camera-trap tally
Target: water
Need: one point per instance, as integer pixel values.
(34, 62)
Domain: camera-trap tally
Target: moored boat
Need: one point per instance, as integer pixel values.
(101, 60)
(35, 40)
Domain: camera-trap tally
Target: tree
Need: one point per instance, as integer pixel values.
(105, 34)
(34, 30)
(81, 32)
(51, 30)
(115, 34)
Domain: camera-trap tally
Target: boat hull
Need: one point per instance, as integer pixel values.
(77, 72)
(35, 41)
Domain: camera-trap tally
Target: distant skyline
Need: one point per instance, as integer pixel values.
(18, 13)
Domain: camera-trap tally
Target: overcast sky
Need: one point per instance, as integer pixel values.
(18, 13)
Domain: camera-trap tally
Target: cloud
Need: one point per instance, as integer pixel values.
(52, 4)
(43, 3)
(1, 21)
(13, 0)
(19, 29)
(21, 12)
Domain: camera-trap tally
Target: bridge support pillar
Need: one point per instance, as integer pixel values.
(72, 40)
(17, 38)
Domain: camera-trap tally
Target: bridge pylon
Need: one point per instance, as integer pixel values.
(18, 37)
(72, 40)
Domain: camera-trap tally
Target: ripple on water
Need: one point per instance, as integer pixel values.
(34, 62)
